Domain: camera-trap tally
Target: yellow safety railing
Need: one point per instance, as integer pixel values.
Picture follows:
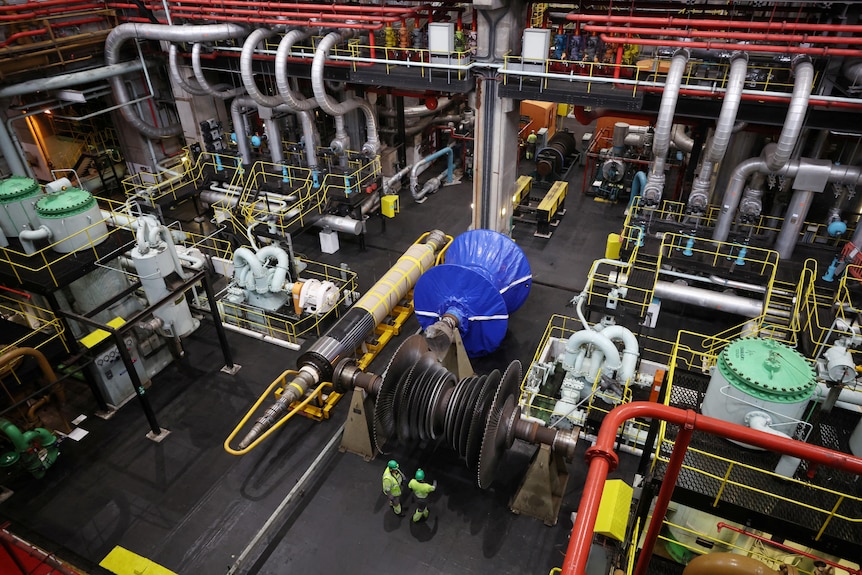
(284, 327)
(280, 382)
(703, 77)
(42, 325)
(712, 544)
(540, 403)
(47, 263)
(839, 505)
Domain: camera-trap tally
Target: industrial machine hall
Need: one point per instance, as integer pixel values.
(391, 286)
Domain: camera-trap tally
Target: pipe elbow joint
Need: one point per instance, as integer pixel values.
(738, 54)
(652, 192)
(799, 59)
(697, 202)
(683, 52)
(370, 149)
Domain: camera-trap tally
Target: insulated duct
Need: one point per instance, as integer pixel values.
(124, 32)
(236, 115)
(661, 139)
(724, 126)
(371, 147)
(246, 60)
(309, 137)
(178, 79)
(223, 93)
(804, 72)
(295, 101)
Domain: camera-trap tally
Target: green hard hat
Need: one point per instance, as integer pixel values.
(420, 475)
(392, 464)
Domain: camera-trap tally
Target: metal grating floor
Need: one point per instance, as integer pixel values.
(699, 480)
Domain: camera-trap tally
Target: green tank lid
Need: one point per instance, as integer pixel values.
(69, 202)
(768, 370)
(17, 188)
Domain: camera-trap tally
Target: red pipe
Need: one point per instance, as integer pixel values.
(757, 98)
(338, 9)
(274, 20)
(721, 525)
(668, 484)
(825, 51)
(211, 6)
(670, 21)
(17, 292)
(26, 34)
(602, 458)
(40, 5)
(83, 8)
(725, 35)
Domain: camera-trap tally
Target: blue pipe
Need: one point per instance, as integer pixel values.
(638, 184)
(414, 173)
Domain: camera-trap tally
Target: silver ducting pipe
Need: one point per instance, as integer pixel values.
(341, 143)
(215, 91)
(420, 110)
(699, 197)
(797, 211)
(680, 139)
(239, 126)
(72, 79)
(246, 60)
(654, 187)
(123, 32)
(273, 131)
(388, 182)
(174, 65)
(708, 299)
(371, 147)
(296, 101)
(310, 137)
(734, 193)
(419, 195)
(340, 224)
(802, 83)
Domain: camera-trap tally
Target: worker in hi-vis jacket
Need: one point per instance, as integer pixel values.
(421, 491)
(392, 479)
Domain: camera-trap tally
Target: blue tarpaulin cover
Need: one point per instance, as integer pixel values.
(500, 260)
(467, 294)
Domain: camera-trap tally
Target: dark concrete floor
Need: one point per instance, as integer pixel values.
(191, 507)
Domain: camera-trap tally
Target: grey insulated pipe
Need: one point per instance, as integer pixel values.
(310, 137)
(804, 78)
(371, 147)
(734, 192)
(236, 115)
(724, 127)
(661, 140)
(193, 89)
(273, 132)
(296, 101)
(246, 60)
(124, 32)
(215, 91)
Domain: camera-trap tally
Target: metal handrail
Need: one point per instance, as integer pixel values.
(602, 459)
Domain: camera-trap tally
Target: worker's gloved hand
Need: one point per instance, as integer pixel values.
(434, 483)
